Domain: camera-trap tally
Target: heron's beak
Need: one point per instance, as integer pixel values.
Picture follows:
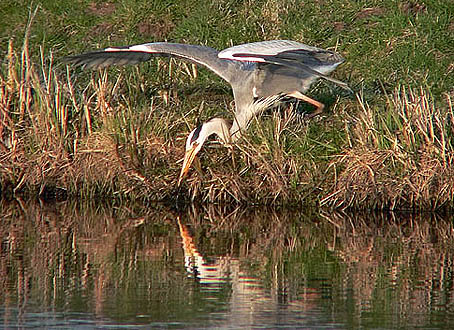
(188, 159)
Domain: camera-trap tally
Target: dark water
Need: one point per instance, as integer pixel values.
(90, 266)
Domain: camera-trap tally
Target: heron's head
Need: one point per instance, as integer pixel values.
(197, 138)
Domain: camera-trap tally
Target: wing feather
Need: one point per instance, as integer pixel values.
(135, 54)
(315, 61)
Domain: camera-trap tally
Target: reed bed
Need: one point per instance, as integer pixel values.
(101, 136)
(399, 155)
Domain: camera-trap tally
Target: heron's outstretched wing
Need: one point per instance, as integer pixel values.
(201, 55)
(306, 68)
(315, 61)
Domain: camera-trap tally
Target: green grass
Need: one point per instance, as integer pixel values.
(384, 42)
(120, 134)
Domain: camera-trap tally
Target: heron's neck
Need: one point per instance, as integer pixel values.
(219, 126)
(245, 113)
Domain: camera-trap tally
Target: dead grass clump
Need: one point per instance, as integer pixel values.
(399, 157)
(413, 8)
(370, 12)
(101, 9)
(158, 28)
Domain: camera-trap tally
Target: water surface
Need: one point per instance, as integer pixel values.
(85, 266)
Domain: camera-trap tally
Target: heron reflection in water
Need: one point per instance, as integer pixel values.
(262, 75)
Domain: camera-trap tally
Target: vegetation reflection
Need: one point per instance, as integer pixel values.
(244, 267)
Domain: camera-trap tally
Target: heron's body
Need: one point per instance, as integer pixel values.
(261, 74)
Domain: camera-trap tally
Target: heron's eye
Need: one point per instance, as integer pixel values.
(196, 134)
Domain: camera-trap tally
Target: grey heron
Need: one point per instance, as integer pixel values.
(261, 74)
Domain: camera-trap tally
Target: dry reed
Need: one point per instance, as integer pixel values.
(400, 156)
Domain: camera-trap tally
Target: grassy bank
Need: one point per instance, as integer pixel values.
(120, 133)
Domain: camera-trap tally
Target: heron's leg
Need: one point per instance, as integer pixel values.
(301, 96)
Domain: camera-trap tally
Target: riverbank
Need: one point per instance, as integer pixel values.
(120, 134)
